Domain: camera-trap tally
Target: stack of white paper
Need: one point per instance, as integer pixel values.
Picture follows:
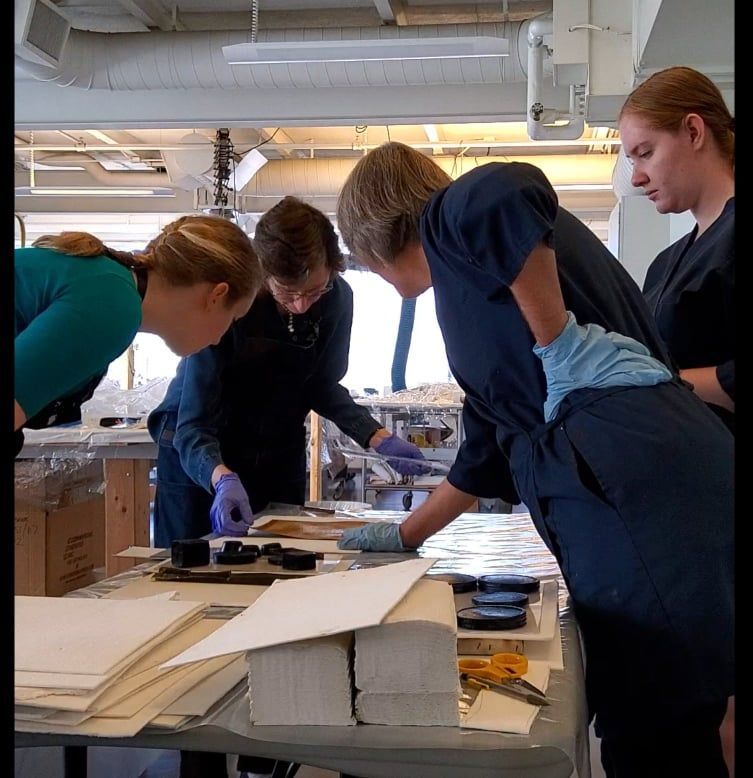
(87, 666)
(307, 682)
(406, 669)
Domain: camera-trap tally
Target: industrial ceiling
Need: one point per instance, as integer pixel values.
(142, 85)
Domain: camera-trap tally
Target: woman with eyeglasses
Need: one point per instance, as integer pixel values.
(231, 427)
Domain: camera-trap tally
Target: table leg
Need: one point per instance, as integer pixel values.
(126, 510)
(74, 762)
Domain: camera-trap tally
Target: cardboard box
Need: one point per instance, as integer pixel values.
(59, 525)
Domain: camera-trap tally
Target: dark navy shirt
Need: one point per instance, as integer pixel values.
(690, 290)
(253, 390)
(477, 233)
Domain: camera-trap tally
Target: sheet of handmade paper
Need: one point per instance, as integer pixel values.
(310, 608)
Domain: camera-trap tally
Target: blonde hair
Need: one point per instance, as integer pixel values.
(189, 250)
(667, 97)
(381, 201)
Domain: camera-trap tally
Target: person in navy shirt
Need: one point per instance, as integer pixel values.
(571, 407)
(231, 428)
(679, 136)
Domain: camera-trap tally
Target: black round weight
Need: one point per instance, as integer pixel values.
(508, 582)
(460, 582)
(519, 599)
(243, 557)
(492, 618)
(297, 559)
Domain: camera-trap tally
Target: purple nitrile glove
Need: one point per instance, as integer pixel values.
(393, 446)
(230, 503)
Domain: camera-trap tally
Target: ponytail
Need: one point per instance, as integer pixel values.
(75, 244)
(189, 250)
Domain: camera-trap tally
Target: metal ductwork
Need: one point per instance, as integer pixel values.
(194, 60)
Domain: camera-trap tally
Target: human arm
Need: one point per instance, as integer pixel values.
(197, 441)
(443, 505)
(707, 385)
(72, 340)
(480, 470)
(327, 396)
(199, 415)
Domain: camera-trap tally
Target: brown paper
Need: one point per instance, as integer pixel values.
(317, 530)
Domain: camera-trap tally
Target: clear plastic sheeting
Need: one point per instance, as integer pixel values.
(424, 394)
(111, 405)
(557, 745)
(51, 484)
(87, 443)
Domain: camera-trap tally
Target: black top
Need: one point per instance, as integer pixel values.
(476, 234)
(254, 389)
(690, 290)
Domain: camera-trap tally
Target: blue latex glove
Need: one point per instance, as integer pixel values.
(393, 446)
(377, 536)
(230, 503)
(590, 357)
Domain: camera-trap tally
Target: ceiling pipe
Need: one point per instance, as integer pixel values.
(194, 60)
(315, 145)
(539, 119)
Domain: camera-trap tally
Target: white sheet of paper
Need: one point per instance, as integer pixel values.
(312, 607)
(241, 595)
(140, 674)
(141, 552)
(197, 701)
(98, 726)
(166, 721)
(71, 635)
(549, 651)
(502, 713)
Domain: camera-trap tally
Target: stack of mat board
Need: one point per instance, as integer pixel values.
(307, 682)
(406, 668)
(92, 666)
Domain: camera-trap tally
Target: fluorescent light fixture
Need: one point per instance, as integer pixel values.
(104, 138)
(93, 191)
(431, 132)
(379, 50)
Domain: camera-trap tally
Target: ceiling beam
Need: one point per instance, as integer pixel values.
(374, 16)
(392, 11)
(149, 12)
(479, 12)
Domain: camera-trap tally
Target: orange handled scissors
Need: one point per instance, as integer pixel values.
(500, 668)
(502, 673)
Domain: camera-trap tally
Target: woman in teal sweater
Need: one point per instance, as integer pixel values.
(78, 305)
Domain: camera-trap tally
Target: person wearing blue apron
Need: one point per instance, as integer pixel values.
(230, 431)
(679, 136)
(78, 305)
(572, 409)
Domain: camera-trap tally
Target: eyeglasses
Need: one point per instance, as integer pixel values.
(288, 296)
